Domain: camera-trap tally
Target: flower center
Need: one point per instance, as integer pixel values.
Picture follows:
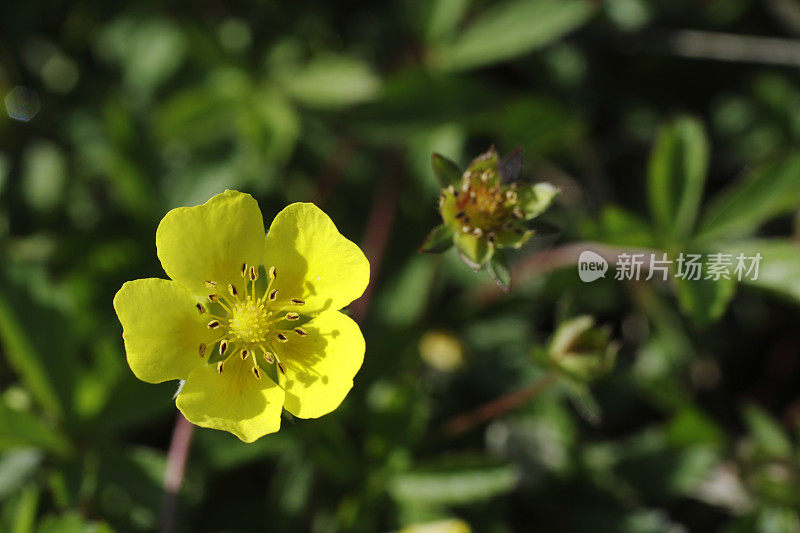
(252, 321)
(249, 322)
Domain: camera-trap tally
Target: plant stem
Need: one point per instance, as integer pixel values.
(176, 467)
(497, 407)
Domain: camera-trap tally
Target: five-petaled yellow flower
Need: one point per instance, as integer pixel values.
(251, 323)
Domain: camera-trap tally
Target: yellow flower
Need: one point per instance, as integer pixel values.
(248, 339)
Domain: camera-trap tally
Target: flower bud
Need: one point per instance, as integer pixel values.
(581, 350)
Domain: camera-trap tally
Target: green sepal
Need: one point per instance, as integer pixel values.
(536, 199)
(486, 161)
(446, 171)
(475, 251)
(438, 240)
(498, 269)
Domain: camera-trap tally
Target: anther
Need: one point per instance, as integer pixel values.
(298, 301)
(511, 196)
(200, 308)
(253, 273)
(244, 353)
(281, 368)
(491, 236)
(256, 372)
(273, 294)
(269, 357)
(460, 214)
(232, 290)
(223, 347)
(214, 298)
(518, 212)
(465, 229)
(301, 332)
(244, 269)
(273, 274)
(282, 337)
(219, 366)
(451, 189)
(477, 232)
(202, 349)
(214, 324)
(211, 284)
(292, 316)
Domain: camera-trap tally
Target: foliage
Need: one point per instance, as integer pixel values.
(123, 111)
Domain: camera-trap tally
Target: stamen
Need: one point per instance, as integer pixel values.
(281, 368)
(232, 290)
(256, 372)
(292, 316)
(244, 353)
(202, 349)
(223, 347)
(269, 357)
(282, 337)
(253, 273)
(301, 332)
(214, 324)
(211, 284)
(273, 274)
(214, 298)
(244, 269)
(200, 308)
(491, 236)
(518, 212)
(511, 196)
(219, 366)
(477, 232)
(298, 301)
(273, 295)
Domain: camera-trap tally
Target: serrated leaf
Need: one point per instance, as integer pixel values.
(514, 28)
(768, 191)
(445, 170)
(676, 176)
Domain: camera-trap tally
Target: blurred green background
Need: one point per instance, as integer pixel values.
(115, 112)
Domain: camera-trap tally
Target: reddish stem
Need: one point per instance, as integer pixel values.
(176, 468)
(489, 411)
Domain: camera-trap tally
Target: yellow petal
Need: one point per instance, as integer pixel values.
(211, 241)
(162, 329)
(233, 401)
(320, 366)
(313, 260)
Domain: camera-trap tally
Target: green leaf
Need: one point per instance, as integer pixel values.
(704, 300)
(676, 176)
(624, 228)
(332, 81)
(26, 361)
(25, 505)
(767, 433)
(446, 171)
(22, 429)
(16, 468)
(454, 484)
(498, 269)
(763, 193)
(512, 29)
(779, 268)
